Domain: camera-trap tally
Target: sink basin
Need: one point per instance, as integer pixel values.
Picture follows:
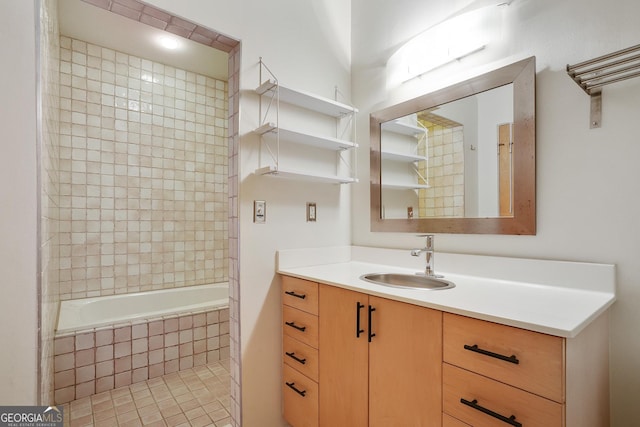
(415, 281)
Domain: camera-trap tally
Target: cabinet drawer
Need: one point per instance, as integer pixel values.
(482, 347)
(300, 325)
(301, 294)
(480, 401)
(449, 421)
(301, 357)
(300, 399)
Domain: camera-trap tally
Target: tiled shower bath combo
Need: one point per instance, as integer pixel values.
(135, 198)
(143, 206)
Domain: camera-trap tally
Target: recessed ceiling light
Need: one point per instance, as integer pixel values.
(170, 43)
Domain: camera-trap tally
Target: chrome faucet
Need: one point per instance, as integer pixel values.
(428, 250)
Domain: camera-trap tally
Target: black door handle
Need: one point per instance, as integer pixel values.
(358, 330)
(371, 334)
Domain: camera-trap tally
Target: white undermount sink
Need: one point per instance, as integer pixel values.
(413, 281)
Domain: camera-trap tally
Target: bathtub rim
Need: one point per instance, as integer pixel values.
(142, 318)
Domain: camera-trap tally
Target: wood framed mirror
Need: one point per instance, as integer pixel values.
(458, 160)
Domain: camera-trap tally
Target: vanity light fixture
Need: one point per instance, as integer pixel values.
(468, 31)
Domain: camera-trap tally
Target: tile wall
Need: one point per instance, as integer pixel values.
(234, 236)
(445, 198)
(49, 147)
(96, 360)
(143, 174)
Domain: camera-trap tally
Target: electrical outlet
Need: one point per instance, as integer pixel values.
(259, 211)
(311, 212)
(410, 212)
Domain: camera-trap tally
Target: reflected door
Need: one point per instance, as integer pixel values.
(505, 169)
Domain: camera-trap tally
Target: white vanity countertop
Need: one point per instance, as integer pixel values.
(553, 297)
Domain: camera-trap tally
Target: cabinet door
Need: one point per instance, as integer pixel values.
(343, 373)
(405, 365)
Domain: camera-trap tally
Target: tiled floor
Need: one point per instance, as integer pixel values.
(194, 397)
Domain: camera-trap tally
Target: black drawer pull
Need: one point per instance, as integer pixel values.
(293, 294)
(474, 404)
(292, 386)
(358, 308)
(475, 348)
(293, 356)
(293, 325)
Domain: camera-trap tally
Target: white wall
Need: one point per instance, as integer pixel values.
(495, 107)
(587, 180)
(18, 205)
(307, 45)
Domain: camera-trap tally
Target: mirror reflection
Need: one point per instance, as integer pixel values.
(453, 160)
(460, 159)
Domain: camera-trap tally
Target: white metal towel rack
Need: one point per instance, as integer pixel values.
(593, 74)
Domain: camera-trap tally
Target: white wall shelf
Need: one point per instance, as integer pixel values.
(306, 100)
(305, 176)
(319, 141)
(279, 162)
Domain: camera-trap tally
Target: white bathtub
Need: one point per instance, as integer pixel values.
(88, 313)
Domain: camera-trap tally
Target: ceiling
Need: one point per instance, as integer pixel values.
(89, 23)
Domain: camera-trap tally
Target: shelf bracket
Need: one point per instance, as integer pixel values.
(595, 118)
(596, 73)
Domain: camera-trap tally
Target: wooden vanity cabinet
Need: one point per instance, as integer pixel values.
(352, 359)
(380, 361)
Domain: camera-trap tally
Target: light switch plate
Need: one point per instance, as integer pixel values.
(311, 212)
(259, 211)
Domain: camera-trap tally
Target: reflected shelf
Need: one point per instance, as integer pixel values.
(396, 126)
(390, 155)
(405, 186)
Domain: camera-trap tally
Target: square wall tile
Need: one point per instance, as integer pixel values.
(64, 345)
